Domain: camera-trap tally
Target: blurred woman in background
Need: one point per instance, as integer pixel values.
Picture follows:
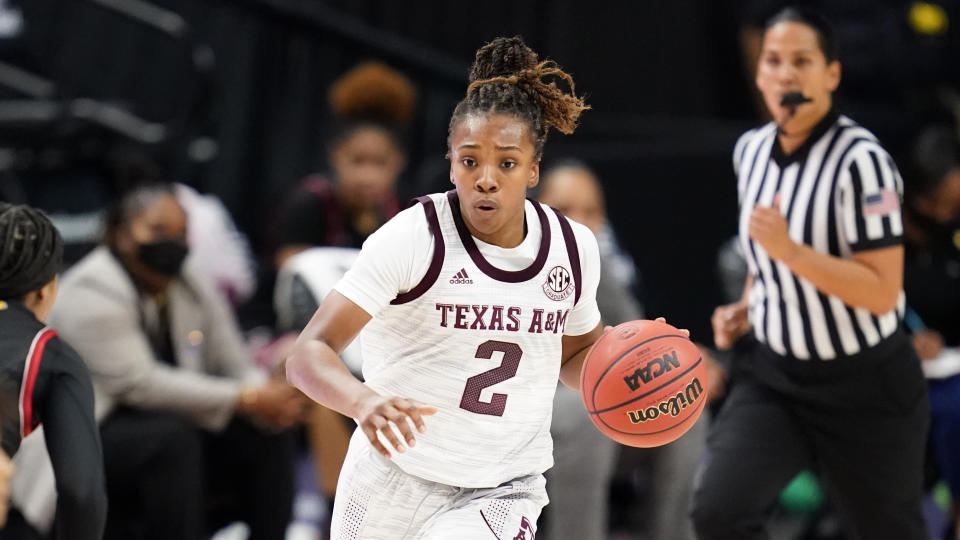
(932, 283)
(372, 104)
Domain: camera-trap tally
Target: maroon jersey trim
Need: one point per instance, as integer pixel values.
(30, 369)
(433, 272)
(572, 251)
(507, 276)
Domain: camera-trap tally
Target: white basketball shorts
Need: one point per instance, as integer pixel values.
(378, 501)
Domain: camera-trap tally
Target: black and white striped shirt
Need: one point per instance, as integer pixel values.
(840, 193)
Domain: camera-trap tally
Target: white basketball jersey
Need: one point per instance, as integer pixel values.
(481, 344)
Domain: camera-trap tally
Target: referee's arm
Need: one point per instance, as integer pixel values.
(873, 276)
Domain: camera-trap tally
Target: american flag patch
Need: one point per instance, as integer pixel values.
(881, 204)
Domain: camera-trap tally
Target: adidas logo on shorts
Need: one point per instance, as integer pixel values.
(461, 278)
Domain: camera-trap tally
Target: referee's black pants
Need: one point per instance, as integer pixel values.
(860, 421)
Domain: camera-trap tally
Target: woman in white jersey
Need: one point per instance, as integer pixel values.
(472, 303)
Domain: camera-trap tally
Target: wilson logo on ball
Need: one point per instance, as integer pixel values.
(653, 369)
(671, 406)
(559, 284)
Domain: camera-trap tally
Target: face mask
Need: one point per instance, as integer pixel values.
(164, 257)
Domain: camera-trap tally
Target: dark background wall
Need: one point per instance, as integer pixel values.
(248, 78)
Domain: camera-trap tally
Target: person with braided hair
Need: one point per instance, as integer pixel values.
(46, 377)
(472, 304)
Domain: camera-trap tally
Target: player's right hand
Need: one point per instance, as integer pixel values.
(729, 323)
(378, 413)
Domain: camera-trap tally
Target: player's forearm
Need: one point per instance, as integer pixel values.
(318, 372)
(570, 371)
(575, 349)
(853, 282)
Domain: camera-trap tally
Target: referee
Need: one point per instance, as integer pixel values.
(832, 383)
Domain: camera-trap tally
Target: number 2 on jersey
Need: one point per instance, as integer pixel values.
(506, 370)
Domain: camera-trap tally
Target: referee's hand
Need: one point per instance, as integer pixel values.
(729, 323)
(769, 229)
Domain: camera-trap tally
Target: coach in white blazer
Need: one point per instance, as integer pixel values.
(108, 320)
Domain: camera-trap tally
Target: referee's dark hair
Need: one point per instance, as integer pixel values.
(31, 250)
(826, 36)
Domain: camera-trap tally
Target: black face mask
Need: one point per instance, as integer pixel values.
(164, 257)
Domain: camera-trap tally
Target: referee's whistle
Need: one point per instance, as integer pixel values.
(793, 99)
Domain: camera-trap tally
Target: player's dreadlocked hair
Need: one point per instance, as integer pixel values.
(31, 250)
(507, 78)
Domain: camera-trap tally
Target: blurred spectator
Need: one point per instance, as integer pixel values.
(584, 459)
(372, 103)
(192, 432)
(44, 379)
(218, 250)
(932, 285)
(302, 283)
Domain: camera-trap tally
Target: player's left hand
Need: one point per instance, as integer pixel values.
(683, 331)
(769, 229)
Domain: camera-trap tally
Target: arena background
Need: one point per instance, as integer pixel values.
(230, 97)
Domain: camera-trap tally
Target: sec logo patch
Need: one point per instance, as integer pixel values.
(559, 284)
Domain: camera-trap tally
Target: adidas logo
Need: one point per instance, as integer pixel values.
(461, 278)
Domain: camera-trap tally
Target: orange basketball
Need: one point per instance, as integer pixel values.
(644, 383)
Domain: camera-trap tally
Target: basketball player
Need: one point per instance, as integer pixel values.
(473, 303)
(46, 376)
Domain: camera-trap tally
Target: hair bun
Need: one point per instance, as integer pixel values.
(508, 78)
(373, 91)
(502, 57)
